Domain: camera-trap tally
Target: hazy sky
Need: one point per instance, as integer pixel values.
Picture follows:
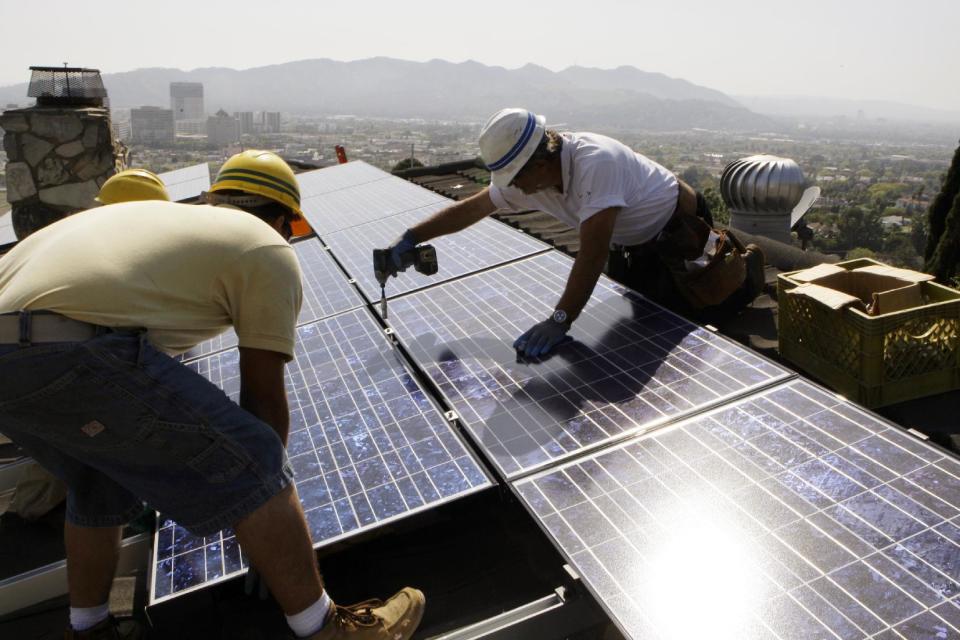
(905, 51)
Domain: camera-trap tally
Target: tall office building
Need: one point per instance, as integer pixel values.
(186, 100)
(245, 118)
(222, 129)
(270, 121)
(152, 125)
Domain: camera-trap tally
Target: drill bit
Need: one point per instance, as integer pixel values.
(383, 302)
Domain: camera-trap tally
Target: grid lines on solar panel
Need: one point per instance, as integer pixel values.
(366, 444)
(480, 246)
(326, 292)
(631, 364)
(336, 177)
(352, 206)
(787, 514)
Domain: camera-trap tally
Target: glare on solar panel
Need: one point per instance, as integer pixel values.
(631, 364)
(483, 245)
(326, 291)
(351, 206)
(187, 183)
(339, 176)
(789, 513)
(366, 443)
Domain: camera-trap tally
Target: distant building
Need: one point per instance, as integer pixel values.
(186, 100)
(245, 119)
(222, 129)
(122, 130)
(189, 114)
(152, 125)
(270, 121)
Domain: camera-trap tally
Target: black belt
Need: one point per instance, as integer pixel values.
(38, 327)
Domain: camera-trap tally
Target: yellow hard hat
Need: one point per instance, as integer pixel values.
(263, 173)
(131, 185)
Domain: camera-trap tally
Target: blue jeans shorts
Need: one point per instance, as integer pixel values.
(123, 424)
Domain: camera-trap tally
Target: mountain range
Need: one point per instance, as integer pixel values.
(621, 98)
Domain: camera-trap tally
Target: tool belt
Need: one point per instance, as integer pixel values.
(684, 239)
(38, 327)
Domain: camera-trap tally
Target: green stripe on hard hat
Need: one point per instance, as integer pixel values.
(249, 175)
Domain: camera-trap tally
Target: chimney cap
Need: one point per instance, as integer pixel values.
(60, 85)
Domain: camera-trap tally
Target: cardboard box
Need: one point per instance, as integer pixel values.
(874, 290)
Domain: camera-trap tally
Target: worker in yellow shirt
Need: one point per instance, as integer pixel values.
(91, 309)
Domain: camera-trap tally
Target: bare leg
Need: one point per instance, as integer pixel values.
(92, 554)
(276, 540)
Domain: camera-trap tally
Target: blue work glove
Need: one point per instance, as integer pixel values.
(539, 339)
(404, 244)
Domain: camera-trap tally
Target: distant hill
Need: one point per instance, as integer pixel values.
(624, 97)
(812, 107)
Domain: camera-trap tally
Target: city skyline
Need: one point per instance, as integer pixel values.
(854, 50)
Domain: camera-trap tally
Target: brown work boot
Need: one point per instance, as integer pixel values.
(109, 629)
(395, 619)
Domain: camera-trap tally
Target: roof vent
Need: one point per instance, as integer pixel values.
(762, 192)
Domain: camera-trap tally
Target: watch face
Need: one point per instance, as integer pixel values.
(560, 316)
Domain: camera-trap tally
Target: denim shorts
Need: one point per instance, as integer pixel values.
(123, 424)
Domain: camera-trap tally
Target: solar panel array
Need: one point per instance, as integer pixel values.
(367, 445)
(697, 489)
(788, 514)
(326, 291)
(631, 365)
(187, 183)
(483, 245)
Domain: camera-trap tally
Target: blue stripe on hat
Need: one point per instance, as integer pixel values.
(515, 150)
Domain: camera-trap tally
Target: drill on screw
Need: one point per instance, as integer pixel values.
(423, 258)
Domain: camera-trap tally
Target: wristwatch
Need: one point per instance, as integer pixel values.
(559, 316)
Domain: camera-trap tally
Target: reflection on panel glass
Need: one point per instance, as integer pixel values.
(630, 364)
(483, 245)
(352, 206)
(326, 291)
(787, 514)
(339, 176)
(366, 444)
(187, 183)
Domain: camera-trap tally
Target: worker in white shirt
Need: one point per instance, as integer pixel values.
(616, 198)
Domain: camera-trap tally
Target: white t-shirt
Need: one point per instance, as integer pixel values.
(598, 173)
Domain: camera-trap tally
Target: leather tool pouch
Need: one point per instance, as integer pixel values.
(684, 239)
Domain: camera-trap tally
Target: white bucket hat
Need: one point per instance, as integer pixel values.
(507, 141)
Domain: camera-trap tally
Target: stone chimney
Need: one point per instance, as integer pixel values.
(59, 151)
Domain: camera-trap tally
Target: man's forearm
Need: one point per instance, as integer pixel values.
(274, 412)
(586, 270)
(455, 218)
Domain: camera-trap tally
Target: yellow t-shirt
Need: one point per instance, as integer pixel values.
(185, 273)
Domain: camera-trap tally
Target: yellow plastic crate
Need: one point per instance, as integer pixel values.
(874, 360)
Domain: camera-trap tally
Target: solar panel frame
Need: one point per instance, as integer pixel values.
(386, 446)
(187, 183)
(632, 366)
(813, 516)
(327, 291)
(485, 244)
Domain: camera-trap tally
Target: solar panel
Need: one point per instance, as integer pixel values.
(187, 183)
(7, 235)
(326, 291)
(366, 443)
(483, 245)
(631, 365)
(352, 206)
(787, 514)
(339, 176)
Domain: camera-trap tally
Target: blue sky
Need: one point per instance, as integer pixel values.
(857, 49)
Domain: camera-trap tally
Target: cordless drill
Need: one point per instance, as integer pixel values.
(422, 257)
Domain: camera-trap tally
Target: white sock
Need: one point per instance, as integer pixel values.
(85, 618)
(310, 620)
